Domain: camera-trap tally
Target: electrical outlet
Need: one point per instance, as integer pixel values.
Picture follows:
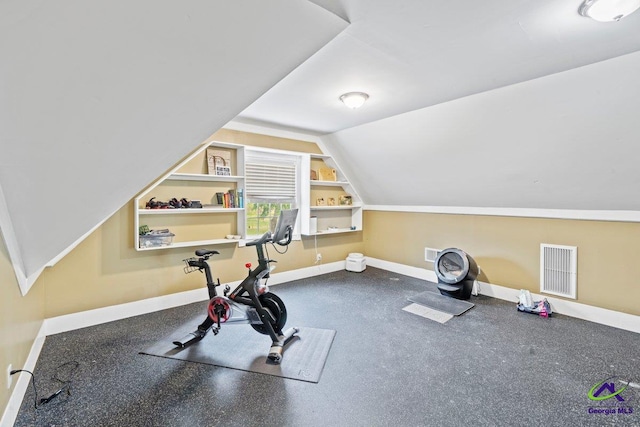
(9, 377)
(318, 257)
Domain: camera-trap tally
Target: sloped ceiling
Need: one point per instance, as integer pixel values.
(566, 141)
(97, 99)
(477, 105)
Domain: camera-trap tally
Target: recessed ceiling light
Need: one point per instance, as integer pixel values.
(608, 10)
(354, 99)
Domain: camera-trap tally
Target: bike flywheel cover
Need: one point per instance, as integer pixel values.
(214, 306)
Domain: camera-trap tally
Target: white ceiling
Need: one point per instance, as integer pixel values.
(411, 54)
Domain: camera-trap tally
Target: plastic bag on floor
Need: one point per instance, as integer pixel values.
(527, 305)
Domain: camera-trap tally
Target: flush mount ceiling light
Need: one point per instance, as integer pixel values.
(354, 99)
(608, 10)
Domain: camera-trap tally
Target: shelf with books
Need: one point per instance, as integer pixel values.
(197, 179)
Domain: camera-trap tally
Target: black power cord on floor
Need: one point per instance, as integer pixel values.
(33, 383)
(66, 383)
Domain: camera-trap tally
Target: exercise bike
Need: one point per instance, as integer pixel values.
(251, 302)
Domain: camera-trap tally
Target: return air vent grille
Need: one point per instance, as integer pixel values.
(558, 270)
(430, 254)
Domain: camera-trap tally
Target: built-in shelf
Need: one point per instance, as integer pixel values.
(189, 179)
(192, 244)
(198, 185)
(330, 217)
(334, 231)
(333, 208)
(203, 177)
(329, 183)
(187, 211)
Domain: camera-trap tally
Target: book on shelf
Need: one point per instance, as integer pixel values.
(231, 199)
(240, 199)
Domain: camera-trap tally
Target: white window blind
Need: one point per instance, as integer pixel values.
(270, 177)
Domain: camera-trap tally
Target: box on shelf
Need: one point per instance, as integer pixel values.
(155, 239)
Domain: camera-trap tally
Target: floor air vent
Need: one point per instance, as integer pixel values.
(558, 270)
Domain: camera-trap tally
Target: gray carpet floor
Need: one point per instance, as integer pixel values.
(492, 366)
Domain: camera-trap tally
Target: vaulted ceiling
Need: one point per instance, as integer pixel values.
(519, 104)
(97, 99)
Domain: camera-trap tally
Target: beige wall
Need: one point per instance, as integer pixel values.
(105, 269)
(20, 321)
(508, 250)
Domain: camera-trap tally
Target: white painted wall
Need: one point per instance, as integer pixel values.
(97, 99)
(565, 141)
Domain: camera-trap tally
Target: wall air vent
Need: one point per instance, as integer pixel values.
(430, 254)
(558, 270)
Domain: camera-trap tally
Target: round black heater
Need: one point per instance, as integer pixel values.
(456, 271)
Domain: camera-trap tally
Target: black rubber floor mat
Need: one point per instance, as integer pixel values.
(240, 347)
(441, 303)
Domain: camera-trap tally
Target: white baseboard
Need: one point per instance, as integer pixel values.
(603, 316)
(407, 270)
(303, 273)
(616, 319)
(15, 400)
(83, 319)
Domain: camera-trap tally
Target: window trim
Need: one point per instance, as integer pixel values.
(299, 159)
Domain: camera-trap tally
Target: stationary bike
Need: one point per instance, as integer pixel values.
(251, 302)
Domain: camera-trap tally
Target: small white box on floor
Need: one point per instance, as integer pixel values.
(356, 262)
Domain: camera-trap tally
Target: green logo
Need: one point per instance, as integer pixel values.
(598, 389)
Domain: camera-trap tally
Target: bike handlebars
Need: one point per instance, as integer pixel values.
(266, 237)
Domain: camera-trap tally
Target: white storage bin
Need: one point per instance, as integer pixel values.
(356, 262)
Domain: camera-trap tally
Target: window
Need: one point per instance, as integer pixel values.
(263, 216)
(272, 184)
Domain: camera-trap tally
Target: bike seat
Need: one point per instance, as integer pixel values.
(203, 252)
